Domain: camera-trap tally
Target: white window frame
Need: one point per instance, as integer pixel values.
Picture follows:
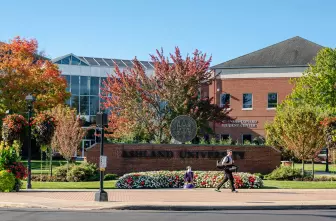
(277, 99)
(249, 108)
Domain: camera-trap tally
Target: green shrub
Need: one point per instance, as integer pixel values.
(258, 141)
(202, 141)
(285, 173)
(110, 176)
(226, 141)
(7, 181)
(260, 175)
(47, 178)
(83, 172)
(247, 142)
(213, 141)
(62, 170)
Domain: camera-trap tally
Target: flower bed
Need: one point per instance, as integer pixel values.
(175, 179)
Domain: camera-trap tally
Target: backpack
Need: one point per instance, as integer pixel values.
(220, 163)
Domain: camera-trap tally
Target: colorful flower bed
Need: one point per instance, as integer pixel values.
(175, 179)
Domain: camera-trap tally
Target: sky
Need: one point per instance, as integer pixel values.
(128, 28)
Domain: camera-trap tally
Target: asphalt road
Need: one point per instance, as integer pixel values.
(279, 215)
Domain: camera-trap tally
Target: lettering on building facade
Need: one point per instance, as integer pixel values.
(240, 123)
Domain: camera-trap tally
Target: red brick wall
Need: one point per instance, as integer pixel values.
(259, 87)
(257, 159)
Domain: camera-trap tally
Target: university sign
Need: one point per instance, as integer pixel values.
(180, 154)
(240, 123)
(127, 158)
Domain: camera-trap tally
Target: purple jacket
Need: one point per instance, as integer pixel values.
(189, 176)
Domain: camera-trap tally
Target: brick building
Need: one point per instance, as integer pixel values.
(252, 85)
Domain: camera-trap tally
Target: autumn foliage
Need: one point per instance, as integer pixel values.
(68, 133)
(23, 72)
(329, 124)
(12, 127)
(144, 104)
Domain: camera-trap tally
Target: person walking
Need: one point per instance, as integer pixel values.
(227, 163)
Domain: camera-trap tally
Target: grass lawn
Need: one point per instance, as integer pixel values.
(317, 167)
(36, 165)
(276, 184)
(71, 185)
(269, 184)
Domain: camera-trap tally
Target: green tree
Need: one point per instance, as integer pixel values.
(317, 86)
(299, 130)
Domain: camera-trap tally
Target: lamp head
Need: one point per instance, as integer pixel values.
(30, 98)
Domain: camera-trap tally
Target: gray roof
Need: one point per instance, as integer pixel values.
(295, 51)
(101, 62)
(92, 61)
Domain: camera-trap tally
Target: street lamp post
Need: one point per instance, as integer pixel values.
(30, 99)
(327, 160)
(101, 119)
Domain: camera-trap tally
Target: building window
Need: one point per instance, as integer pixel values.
(84, 105)
(94, 105)
(225, 136)
(247, 101)
(65, 60)
(247, 138)
(75, 102)
(225, 100)
(71, 60)
(68, 80)
(272, 100)
(75, 85)
(75, 61)
(84, 85)
(94, 86)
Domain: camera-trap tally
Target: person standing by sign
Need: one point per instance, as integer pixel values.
(189, 179)
(227, 165)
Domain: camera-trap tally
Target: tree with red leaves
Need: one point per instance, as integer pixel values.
(23, 72)
(144, 106)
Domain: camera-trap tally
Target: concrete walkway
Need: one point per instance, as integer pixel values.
(172, 199)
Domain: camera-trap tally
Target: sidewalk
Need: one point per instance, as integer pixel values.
(172, 199)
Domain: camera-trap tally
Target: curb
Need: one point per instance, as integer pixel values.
(217, 208)
(174, 208)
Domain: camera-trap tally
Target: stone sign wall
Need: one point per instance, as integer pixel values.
(126, 158)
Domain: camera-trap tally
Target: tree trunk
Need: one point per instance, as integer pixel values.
(51, 158)
(313, 172)
(67, 166)
(41, 165)
(303, 169)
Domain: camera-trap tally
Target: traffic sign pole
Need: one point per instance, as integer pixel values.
(101, 195)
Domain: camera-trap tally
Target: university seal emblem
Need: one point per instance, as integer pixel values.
(183, 128)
